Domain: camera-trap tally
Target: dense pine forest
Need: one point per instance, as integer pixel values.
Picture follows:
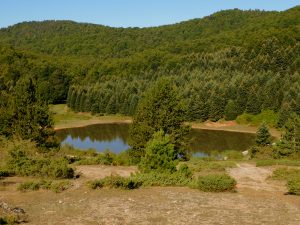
(224, 65)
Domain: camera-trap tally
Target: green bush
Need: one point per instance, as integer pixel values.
(162, 179)
(207, 166)
(160, 154)
(116, 182)
(60, 186)
(29, 185)
(263, 152)
(215, 183)
(25, 165)
(8, 220)
(55, 186)
(4, 173)
(293, 186)
(105, 158)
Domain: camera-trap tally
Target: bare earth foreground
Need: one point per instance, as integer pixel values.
(257, 201)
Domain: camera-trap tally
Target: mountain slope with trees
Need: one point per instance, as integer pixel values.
(226, 64)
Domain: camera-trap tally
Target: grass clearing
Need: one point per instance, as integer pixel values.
(277, 162)
(66, 118)
(267, 116)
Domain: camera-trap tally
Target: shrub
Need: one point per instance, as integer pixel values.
(105, 158)
(159, 154)
(22, 164)
(215, 183)
(29, 185)
(162, 179)
(293, 186)
(116, 182)
(207, 166)
(4, 173)
(55, 186)
(96, 184)
(60, 186)
(263, 136)
(8, 219)
(263, 152)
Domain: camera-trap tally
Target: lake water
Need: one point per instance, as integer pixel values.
(115, 138)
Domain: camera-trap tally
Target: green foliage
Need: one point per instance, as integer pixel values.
(28, 116)
(91, 157)
(290, 143)
(160, 109)
(163, 179)
(266, 116)
(263, 152)
(116, 182)
(293, 186)
(231, 110)
(4, 173)
(25, 163)
(8, 220)
(292, 176)
(30, 185)
(215, 183)
(106, 70)
(285, 173)
(160, 155)
(283, 162)
(55, 186)
(205, 166)
(263, 136)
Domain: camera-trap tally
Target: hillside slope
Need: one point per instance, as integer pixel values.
(224, 65)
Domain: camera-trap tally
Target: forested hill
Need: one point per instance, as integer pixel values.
(225, 64)
(220, 30)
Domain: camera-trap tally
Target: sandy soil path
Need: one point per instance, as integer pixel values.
(251, 177)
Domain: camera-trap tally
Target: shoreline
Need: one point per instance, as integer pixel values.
(229, 126)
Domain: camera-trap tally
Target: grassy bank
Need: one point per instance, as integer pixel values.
(66, 118)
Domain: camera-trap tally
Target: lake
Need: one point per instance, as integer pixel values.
(115, 138)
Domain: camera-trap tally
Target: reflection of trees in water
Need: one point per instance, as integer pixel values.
(210, 140)
(200, 140)
(98, 132)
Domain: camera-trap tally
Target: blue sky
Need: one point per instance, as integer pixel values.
(126, 13)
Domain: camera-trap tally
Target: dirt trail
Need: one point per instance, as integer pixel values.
(256, 178)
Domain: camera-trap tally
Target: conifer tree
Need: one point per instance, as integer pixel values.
(160, 109)
(263, 136)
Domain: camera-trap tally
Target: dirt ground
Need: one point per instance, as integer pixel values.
(258, 200)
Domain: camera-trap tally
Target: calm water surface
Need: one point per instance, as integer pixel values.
(115, 138)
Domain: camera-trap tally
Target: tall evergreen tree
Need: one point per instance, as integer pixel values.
(160, 109)
(263, 136)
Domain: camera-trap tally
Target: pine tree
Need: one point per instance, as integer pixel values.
(31, 116)
(231, 111)
(160, 109)
(263, 136)
(291, 136)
